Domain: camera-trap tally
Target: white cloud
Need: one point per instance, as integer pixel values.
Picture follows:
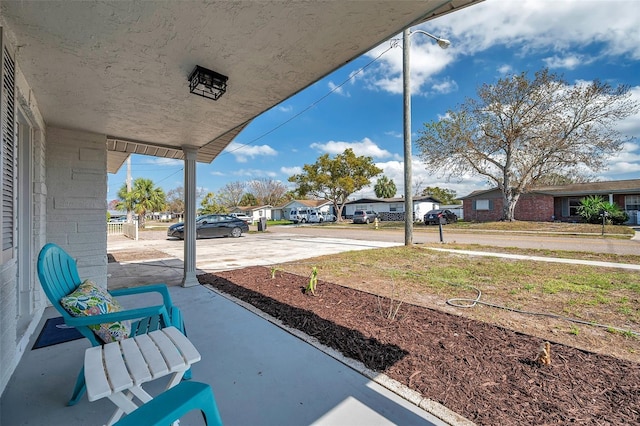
(535, 25)
(630, 126)
(427, 60)
(283, 108)
(339, 90)
(525, 26)
(505, 69)
(445, 86)
(159, 161)
(254, 173)
(365, 147)
(214, 173)
(245, 152)
(290, 171)
(567, 62)
(394, 134)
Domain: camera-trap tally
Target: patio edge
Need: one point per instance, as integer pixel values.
(432, 407)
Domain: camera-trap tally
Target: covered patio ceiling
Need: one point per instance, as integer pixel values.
(121, 68)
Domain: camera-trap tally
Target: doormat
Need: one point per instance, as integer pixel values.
(56, 331)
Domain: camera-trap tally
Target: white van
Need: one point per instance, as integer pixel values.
(319, 217)
(300, 215)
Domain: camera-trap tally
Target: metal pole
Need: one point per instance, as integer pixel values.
(406, 92)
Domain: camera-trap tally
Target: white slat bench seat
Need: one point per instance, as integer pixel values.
(122, 367)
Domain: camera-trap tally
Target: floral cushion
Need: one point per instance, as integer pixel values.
(89, 299)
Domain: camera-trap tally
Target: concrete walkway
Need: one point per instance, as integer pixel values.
(542, 258)
(261, 375)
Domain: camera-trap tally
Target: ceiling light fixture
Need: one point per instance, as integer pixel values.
(206, 83)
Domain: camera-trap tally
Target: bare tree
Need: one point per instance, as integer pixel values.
(520, 130)
(231, 194)
(417, 187)
(268, 191)
(175, 199)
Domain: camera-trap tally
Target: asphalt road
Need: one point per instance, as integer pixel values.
(424, 235)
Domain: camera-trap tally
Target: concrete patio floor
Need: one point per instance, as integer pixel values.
(261, 374)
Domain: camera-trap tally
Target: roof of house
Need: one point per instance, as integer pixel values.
(630, 186)
(309, 203)
(251, 208)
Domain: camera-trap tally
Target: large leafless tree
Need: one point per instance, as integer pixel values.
(268, 191)
(231, 194)
(520, 130)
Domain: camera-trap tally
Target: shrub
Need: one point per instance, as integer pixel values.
(592, 207)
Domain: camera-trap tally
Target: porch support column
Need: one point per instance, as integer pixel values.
(190, 155)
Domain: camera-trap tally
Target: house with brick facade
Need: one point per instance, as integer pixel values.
(549, 203)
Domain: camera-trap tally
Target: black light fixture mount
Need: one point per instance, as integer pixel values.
(207, 83)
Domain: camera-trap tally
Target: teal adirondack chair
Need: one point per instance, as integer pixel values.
(59, 277)
(175, 403)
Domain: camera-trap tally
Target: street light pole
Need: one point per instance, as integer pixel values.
(406, 97)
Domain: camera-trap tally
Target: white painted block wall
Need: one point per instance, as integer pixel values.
(76, 199)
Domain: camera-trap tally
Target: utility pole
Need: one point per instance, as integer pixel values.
(129, 212)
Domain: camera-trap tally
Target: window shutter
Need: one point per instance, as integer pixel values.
(8, 153)
(490, 204)
(473, 205)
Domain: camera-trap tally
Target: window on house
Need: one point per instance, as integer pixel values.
(482, 204)
(396, 207)
(8, 155)
(632, 202)
(574, 203)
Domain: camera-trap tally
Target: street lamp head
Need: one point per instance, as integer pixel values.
(443, 43)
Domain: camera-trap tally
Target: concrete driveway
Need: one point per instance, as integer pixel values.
(161, 259)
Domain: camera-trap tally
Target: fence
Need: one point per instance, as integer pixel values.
(129, 230)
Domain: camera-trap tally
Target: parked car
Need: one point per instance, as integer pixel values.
(364, 216)
(247, 219)
(433, 216)
(212, 225)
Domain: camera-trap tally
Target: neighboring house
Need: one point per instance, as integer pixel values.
(391, 208)
(80, 91)
(322, 206)
(549, 203)
(255, 212)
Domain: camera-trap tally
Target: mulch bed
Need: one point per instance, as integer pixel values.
(486, 373)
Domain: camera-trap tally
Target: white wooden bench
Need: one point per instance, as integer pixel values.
(118, 370)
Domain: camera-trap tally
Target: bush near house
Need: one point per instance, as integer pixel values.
(593, 207)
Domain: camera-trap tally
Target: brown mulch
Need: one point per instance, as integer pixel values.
(484, 372)
(135, 255)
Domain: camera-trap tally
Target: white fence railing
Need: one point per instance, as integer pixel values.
(129, 230)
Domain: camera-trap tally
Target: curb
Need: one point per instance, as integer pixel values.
(432, 407)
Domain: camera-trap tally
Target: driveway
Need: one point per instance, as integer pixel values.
(154, 258)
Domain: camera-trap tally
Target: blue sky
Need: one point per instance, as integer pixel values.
(582, 40)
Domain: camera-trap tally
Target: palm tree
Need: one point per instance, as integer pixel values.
(144, 197)
(385, 188)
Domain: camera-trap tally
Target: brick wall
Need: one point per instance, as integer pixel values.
(535, 207)
(76, 199)
(530, 207)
